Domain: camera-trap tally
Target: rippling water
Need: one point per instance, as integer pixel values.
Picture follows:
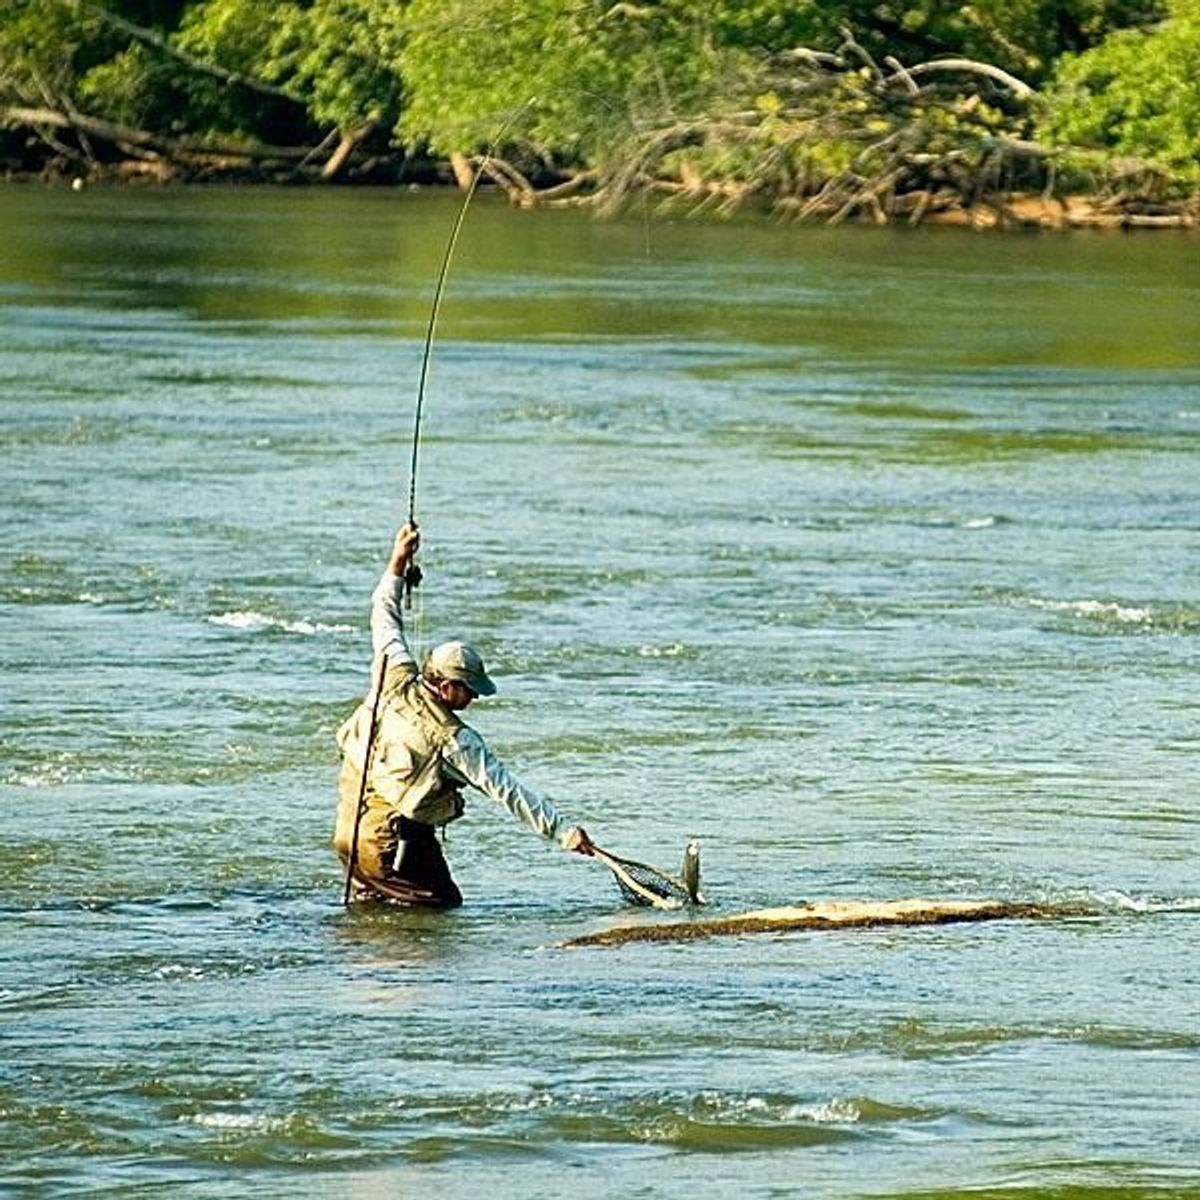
(867, 558)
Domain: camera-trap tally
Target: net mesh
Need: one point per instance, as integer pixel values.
(645, 885)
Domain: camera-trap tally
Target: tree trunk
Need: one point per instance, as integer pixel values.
(349, 142)
(464, 173)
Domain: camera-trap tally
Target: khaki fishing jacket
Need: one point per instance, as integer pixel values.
(408, 776)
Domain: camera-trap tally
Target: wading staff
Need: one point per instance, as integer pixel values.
(362, 783)
(412, 573)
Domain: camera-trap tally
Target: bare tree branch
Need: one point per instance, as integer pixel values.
(1018, 87)
(901, 72)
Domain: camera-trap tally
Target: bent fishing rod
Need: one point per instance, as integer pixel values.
(413, 574)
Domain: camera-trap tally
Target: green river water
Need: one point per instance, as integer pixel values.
(869, 558)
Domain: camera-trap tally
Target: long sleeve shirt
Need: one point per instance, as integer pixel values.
(467, 758)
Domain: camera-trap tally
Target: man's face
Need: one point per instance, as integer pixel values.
(454, 694)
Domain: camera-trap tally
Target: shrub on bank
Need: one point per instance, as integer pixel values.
(1135, 99)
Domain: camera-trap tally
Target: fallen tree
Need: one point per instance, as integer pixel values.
(838, 136)
(192, 156)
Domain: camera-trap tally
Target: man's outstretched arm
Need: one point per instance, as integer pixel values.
(387, 625)
(470, 756)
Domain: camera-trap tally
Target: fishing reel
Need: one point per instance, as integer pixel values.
(412, 579)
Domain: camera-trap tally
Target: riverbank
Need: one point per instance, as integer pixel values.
(1068, 212)
(994, 211)
(812, 116)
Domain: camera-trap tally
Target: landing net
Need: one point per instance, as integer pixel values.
(645, 885)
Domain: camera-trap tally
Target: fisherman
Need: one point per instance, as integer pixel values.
(421, 758)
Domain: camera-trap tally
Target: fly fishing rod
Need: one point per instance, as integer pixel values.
(412, 574)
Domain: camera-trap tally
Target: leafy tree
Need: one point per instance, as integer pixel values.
(341, 56)
(1135, 95)
(334, 56)
(694, 93)
(1022, 36)
(578, 76)
(145, 63)
(600, 68)
(42, 44)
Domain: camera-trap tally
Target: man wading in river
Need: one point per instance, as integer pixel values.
(422, 757)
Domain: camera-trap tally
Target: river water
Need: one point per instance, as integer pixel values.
(871, 559)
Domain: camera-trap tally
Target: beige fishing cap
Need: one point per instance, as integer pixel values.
(461, 661)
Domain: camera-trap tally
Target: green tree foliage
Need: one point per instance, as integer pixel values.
(1136, 95)
(43, 45)
(579, 75)
(708, 88)
(601, 68)
(341, 55)
(336, 59)
(134, 87)
(146, 86)
(1022, 36)
(335, 56)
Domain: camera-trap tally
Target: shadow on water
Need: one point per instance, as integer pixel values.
(390, 935)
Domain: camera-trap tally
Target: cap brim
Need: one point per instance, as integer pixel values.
(481, 685)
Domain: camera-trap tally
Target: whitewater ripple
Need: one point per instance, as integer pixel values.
(250, 620)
